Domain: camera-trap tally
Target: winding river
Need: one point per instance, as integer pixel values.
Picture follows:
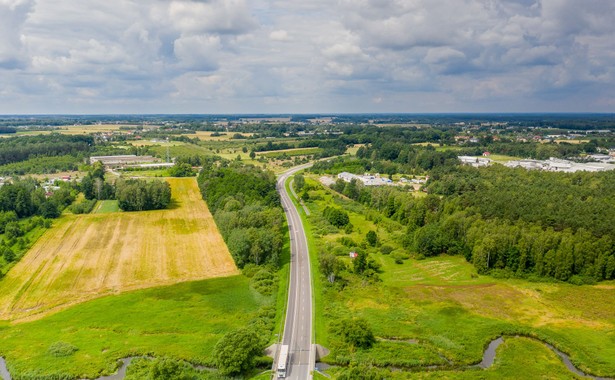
(488, 359)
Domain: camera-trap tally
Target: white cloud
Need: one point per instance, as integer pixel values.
(13, 14)
(298, 56)
(216, 16)
(279, 35)
(198, 52)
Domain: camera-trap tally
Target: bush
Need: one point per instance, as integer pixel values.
(336, 217)
(346, 241)
(582, 280)
(160, 369)
(386, 249)
(399, 257)
(349, 228)
(9, 255)
(236, 351)
(371, 238)
(181, 169)
(61, 349)
(355, 332)
(84, 207)
(13, 230)
(264, 281)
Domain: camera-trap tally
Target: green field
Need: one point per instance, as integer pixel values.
(104, 207)
(450, 313)
(182, 321)
(289, 152)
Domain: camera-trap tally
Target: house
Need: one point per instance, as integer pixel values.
(486, 154)
(353, 255)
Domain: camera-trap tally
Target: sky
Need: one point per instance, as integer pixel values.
(306, 56)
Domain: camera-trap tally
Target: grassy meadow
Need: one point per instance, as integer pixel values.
(182, 321)
(289, 152)
(107, 206)
(88, 256)
(439, 311)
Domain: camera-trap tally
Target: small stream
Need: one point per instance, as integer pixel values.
(120, 375)
(488, 359)
(4, 373)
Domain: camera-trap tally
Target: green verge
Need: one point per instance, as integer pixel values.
(182, 321)
(282, 295)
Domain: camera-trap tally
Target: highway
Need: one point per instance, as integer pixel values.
(298, 325)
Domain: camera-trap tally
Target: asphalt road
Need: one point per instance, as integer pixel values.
(298, 325)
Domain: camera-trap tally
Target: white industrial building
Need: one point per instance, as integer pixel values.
(474, 161)
(559, 165)
(366, 179)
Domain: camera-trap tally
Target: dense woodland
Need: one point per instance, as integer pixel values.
(17, 149)
(47, 154)
(508, 222)
(246, 207)
(24, 206)
(131, 194)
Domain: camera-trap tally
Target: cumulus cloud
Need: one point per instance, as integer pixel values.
(297, 56)
(216, 16)
(13, 14)
(279, 35)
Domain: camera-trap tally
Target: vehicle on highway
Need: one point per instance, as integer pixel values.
(282, 361)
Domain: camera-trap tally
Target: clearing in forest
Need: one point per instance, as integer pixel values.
(87, 256)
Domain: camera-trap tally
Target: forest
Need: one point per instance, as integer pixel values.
(508, 222)
(246, 207)
(16, 149)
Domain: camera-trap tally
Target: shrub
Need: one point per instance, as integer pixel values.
(346, 241)
(61, 349)
(399, 257)
(181, 169)
(386, 249)
(355, 332)
(236, 351)
(84, 207)
(336, 217)
(264, 281)
(371, 238)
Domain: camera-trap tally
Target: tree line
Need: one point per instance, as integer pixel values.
(24, 206)
(131, 194)
(246, 207)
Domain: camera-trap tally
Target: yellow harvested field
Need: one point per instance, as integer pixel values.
(88, 256)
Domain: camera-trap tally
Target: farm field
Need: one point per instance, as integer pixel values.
(88, 256)
(289, 152)
(70, 130)
(448, 313)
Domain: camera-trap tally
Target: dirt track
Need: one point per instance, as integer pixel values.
(87, 256)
